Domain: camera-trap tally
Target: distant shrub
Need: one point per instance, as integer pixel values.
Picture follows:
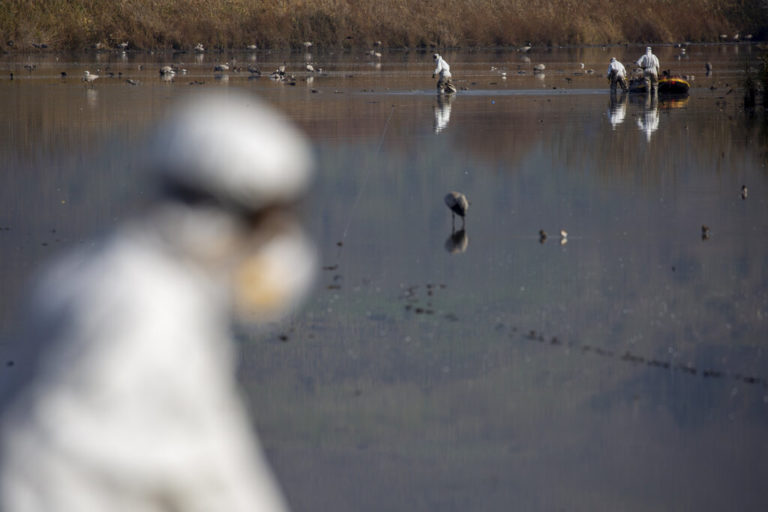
(74, 24)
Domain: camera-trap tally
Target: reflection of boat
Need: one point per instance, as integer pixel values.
(668, 85)
(673, 102)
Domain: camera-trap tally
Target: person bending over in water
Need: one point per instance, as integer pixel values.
(443, 70)
(617, 74)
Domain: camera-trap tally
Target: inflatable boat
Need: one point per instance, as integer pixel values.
(668, 85)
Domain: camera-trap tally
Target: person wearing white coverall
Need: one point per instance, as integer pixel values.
(617, 74)
(123, 394)
(443, 71)
(650, 65)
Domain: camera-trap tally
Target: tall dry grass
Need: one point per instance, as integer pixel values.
(75, 24)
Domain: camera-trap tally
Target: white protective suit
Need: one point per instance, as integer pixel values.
(443, 71)
(123, 394)
(650, 64)
(617, 74)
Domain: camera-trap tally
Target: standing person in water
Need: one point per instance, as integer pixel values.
(617, 74)
(650, 64)
(443, 70)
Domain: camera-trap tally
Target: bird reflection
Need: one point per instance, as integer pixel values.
(457, 242)
(92, 98)
(124, 393)
(617, 109)
(648, 121)
(443, 111)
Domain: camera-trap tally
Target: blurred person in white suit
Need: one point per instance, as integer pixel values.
(123, 394)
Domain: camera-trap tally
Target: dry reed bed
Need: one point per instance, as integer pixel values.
(77, 24)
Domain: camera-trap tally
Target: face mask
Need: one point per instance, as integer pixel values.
(275, 274)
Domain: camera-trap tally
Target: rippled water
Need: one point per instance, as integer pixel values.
(622, 368)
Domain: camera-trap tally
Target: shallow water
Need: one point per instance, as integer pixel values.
(620, 369)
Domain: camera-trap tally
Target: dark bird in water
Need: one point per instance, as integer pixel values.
(744, 191)
(458, 204)
(542, 236)
(704, 232)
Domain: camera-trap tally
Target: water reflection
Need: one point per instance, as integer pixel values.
(648, 120)
(92, 98)
(442, 111)
(617, 108)
(457, 242)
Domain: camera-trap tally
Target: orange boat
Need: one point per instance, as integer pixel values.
(668, 85)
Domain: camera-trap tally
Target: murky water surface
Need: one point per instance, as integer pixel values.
(622, 368)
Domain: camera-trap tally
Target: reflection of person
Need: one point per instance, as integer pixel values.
(617, 109)
(123, 395)
(648, 122)
(442, 112)
(443, 71)
(650, 64)
(617, 74)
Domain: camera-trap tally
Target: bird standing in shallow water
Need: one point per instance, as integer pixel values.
(88, 78)
(458, 204)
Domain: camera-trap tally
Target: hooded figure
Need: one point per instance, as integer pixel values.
(650, 64)
(123, 394)
(617, 75)
(443, 70)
